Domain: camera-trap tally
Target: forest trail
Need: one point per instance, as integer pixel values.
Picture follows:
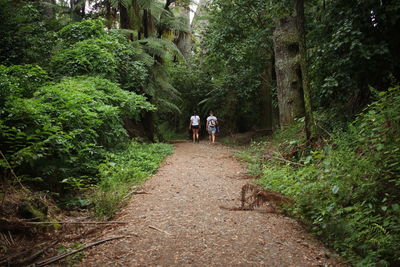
(180, 222)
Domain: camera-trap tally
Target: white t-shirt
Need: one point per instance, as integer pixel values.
(212, 118)
(195, 120)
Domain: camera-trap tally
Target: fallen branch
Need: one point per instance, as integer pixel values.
(134, 192)
(110, 222)
(16, 258)
(37, 254)
(62, 256)
(155, 228)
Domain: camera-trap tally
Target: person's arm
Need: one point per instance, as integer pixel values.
(190, 124)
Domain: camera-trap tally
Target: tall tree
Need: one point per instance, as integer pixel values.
(288, 70)
(300, 18)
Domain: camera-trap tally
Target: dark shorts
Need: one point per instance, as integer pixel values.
(195, 126)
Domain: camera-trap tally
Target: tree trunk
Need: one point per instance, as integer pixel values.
(309, 122)
(145, 23)
(49, 10)
(78, 10)
(288, 70)
(110, 15)
(183, 41)
(265, 92)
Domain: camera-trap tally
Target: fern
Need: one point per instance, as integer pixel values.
(161, 48)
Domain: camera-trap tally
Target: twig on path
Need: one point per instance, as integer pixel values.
(62, 256)
(155, 228)
(110, 222)
(134, 192)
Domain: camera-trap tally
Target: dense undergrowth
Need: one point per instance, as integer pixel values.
(63, 124)
(124, 170)
(346, 187)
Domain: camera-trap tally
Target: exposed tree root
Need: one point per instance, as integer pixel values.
(254, 196)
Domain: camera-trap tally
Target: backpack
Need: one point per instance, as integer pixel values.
(211, 123)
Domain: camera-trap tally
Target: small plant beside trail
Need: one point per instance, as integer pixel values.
(346, 188)
(124, 170)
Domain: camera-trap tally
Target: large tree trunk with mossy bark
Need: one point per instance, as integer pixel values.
(288, 70)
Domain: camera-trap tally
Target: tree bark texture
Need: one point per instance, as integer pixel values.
(286, 40)
(309, 121)
(265, 92)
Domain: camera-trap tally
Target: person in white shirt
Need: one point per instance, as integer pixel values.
(194, 125)
(211, 126)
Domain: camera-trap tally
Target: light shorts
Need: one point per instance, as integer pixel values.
(212, 130)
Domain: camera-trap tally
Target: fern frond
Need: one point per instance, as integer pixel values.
(167, 106)
(124, 3)
(177, 24)
(159, 47)
(146, 4)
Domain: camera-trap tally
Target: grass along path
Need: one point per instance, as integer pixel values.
(179, 222)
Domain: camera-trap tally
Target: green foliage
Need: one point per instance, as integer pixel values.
(84, 58)
(238, 46)
(20, 81)
(124, 170)
(64, 129)
(26, 37)
(348, 191)
(352, 47)
(83, 30)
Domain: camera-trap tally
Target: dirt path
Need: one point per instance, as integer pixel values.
(183, 201)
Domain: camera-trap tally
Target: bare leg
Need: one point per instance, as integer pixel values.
(195, 135)
(213, 137)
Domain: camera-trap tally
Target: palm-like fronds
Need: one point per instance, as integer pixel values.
(161, 48)
(167, 106)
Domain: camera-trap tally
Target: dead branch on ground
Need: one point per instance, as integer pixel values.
(62, 256)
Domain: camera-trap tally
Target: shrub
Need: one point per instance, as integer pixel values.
(64, 130)
(348, 192)
(84, 58)
(20, 81)
(83, 30)
(122, 171)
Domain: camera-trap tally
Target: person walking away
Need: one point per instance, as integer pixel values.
(211, 125)
(194, 125)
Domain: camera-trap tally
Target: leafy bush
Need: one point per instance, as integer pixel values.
(63, 131)
(26, 35)
(20, 81)
(86, 49)
(83, 30)
(124, 169)
(348, 192)
(84, 58)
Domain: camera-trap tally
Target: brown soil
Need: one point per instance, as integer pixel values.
(180, 222)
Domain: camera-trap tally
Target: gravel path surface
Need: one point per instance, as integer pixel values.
(179, 223)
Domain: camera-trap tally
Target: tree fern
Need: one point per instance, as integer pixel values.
(160, 47)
